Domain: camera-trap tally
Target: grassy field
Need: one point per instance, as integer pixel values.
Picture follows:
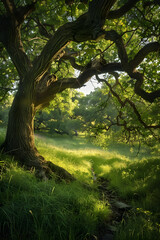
(31, 209)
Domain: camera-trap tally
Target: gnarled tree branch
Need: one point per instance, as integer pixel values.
(72, 61)
(130, 67)
(59, 85)
(123, 10)
(10, 30)
(139, 57)
(83, 29)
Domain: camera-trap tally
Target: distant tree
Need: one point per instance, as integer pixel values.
(59, 117)
(95, 109)
(104, 117)
(42, 42)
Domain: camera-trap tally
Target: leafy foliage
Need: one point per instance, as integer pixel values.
(136, 29)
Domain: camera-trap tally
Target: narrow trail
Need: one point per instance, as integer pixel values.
(119, 209)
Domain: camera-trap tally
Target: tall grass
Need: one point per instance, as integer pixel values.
(139, 184)
(46, 210)
(30, 209)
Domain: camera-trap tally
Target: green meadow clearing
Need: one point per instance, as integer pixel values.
(56, 210)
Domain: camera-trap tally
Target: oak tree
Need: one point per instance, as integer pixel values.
(43, 42)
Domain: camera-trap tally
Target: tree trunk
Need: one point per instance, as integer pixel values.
(20, 130)
(19, 141)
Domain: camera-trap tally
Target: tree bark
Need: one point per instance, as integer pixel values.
(19, 141)
(20, 131)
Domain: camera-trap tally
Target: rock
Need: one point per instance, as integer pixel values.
(121, 205)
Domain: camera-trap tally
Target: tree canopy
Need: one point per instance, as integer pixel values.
(49, 46)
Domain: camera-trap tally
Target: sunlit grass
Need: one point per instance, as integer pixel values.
(138, 184)
(77, 161)
(30, 208)
(141, 179)
(139, 226)
(47, 210)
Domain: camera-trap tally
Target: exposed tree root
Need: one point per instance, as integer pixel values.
(32, 160)
(47, 170)
(60, 172)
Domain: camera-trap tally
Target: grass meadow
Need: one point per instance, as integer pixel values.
(38, 210)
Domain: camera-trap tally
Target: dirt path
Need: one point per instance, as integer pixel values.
(119, 210)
